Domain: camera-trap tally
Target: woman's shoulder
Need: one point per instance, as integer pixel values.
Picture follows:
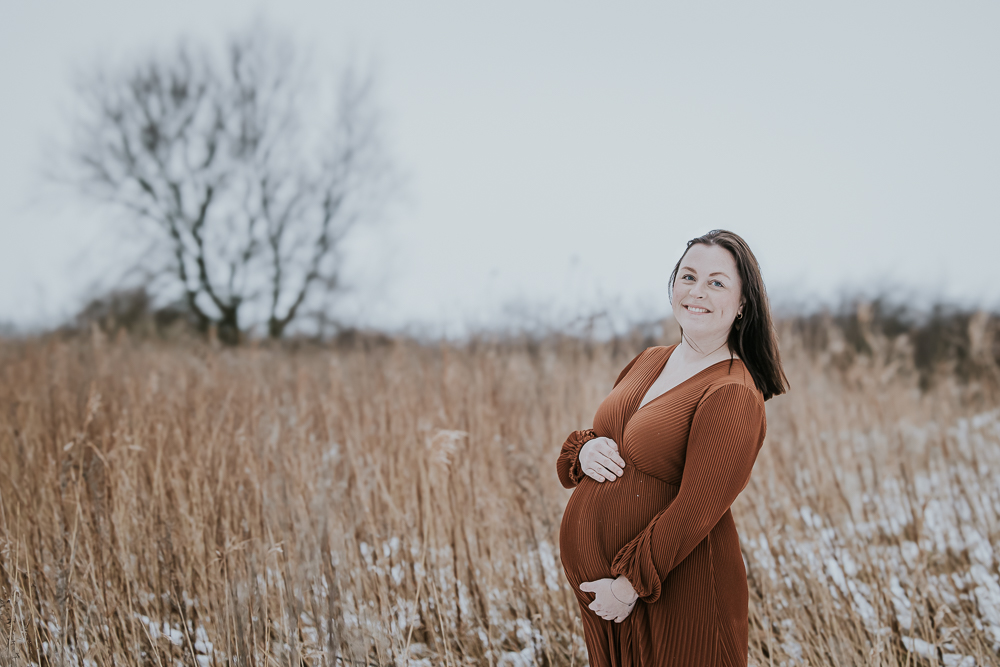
(735, 382)
(628, 367)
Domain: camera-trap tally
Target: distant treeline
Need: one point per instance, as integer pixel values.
(960, 342)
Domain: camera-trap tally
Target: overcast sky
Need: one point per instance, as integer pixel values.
(560, 154)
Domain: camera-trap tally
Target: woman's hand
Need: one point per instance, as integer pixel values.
(599, 460)
(614, 599)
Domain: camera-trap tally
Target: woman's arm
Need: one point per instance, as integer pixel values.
(725, 436)
(568, 463)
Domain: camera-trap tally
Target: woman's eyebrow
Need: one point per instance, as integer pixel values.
(717, 273)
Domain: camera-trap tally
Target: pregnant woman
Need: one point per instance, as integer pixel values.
(647, 539)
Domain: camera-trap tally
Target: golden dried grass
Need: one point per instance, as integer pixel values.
(398, 505)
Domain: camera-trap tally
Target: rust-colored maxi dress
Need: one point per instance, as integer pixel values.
(665, 523)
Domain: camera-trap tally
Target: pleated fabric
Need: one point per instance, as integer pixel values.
(666, 522)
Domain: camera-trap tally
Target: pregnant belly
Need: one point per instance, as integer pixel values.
(601, 518)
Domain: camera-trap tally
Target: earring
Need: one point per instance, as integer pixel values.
(739, 315)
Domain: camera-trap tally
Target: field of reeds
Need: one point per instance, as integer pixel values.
(390, 502)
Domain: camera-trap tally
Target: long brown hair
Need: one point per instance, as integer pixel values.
(753, 336)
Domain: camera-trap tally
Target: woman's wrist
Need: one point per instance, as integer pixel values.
(576, 467)
(626, 593)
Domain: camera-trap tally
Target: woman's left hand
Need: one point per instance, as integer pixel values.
(614, 599)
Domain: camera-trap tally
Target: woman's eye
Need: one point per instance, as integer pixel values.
(687, 275)
(718, 283)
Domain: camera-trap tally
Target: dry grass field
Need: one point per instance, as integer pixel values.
(396, 503)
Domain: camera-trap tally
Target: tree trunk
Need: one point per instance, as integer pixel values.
(229, 328)
(275, 328)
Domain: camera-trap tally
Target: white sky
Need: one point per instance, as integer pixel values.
(560, 154)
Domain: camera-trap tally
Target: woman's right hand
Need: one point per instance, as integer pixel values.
(599, 460)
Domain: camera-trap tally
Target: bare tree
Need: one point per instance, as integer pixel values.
(248, 201)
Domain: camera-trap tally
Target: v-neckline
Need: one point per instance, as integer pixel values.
(682, 382)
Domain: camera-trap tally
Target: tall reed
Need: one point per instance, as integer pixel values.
(397, 504)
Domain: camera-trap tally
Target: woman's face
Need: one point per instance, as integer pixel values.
(707, 291)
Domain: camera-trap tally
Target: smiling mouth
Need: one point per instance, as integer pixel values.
(696, 309)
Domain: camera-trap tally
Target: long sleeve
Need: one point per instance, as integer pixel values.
(568, 463)
(726, 433)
